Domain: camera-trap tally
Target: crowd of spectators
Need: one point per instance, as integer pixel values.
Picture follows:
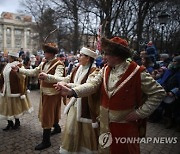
(164, 68)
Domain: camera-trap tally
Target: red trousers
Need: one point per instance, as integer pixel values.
(120, 132)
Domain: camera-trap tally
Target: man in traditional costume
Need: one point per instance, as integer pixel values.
(81, 128)
(14, 101)
(123, 85)
(50, 104)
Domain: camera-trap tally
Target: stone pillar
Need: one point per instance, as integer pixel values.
(25, 39)
(12, 38)
(4, 38)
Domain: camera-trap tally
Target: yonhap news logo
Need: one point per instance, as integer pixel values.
(105, 140)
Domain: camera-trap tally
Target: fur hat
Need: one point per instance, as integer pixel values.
(88, 52)
(13, 54)
(50, 48)
(116, 47)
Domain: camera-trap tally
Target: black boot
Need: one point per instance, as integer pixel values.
(46, 140)
(17, 124)
(168, 123)
(178, 124)
(57, 129)
(10, 125)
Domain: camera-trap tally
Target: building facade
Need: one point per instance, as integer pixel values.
(16, 32)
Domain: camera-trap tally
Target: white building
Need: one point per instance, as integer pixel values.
(16, 32)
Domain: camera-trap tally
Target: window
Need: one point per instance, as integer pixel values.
(8, 31)
(18, 32)
(28, 32)
(18, 18)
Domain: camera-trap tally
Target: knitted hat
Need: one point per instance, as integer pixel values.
(50, 48)
(177, 59)
(150, 43)
(88, 52)
(116, 47)
(164, 55)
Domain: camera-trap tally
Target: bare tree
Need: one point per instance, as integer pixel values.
(134, 20)
(43, 15)
(71, 16)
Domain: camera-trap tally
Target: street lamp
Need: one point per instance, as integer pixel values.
(163, 19)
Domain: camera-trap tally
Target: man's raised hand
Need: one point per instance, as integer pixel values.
(15, 68)
(63, 89)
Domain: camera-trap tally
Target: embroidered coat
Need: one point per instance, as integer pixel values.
(118, 98)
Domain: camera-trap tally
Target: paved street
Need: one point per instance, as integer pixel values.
(23, 141)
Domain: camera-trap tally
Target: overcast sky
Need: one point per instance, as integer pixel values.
(9, 6)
